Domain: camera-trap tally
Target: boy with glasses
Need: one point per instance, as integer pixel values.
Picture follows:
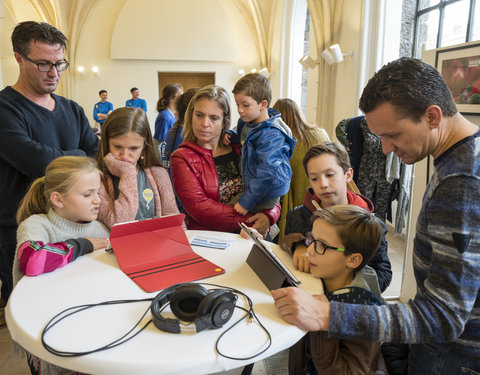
(342, 241)
(328, 168)
(37, 127)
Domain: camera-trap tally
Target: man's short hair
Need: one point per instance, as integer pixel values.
(101, 92)
(411, 86)
(333, 148)
(358, 230)
(256, 86)
(133, 89)
(27, 31)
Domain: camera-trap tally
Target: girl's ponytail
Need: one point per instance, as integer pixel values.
(34, 201)
(60, 176)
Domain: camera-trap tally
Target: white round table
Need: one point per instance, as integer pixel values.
(96, 277)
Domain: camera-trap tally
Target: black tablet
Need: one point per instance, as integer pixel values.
(268, 267)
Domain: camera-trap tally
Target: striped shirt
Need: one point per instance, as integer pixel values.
(446, 258)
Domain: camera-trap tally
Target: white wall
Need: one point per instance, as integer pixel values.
(348, 71)
(130, 52)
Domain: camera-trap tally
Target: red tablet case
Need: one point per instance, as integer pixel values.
(155, 253)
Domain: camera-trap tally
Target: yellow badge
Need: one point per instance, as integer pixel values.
(148, 195)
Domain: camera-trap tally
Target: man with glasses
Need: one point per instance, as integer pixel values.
(37, 126)
(408, 104)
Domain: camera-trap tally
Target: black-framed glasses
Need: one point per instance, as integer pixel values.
(322, 247)
(46, 67)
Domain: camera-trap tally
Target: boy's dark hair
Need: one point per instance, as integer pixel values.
(358, 230)
(133, 89)
(411, 86)
(254, 85)
(27, 31)
(333, 148)
(101, 92)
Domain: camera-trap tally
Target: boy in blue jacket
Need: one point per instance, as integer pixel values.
(267, 145)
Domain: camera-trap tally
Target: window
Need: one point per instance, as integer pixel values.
(442, 23)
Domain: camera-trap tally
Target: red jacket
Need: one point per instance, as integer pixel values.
(195, 181)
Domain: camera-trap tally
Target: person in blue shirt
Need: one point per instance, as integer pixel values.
(136, 102)
(102, 109)
(166, 110)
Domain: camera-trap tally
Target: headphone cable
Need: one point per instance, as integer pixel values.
(77, 309)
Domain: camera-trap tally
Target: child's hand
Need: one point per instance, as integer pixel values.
(118, 167)
(300, 259)
(254, 231)
(289, 239)
(98, 243)
(260, 223)
(240, 209)
(226, 139)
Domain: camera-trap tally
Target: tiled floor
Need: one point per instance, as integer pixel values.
(10, 364)
(13, 365)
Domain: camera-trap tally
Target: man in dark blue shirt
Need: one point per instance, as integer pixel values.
(37, 127)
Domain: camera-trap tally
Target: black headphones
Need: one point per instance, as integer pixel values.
(192, 302)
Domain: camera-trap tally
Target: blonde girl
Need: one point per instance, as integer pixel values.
(58, 217)
(135, 186)
(58, 223)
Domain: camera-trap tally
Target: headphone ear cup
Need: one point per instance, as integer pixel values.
(185, 301)
(162, 323)
(215, 310)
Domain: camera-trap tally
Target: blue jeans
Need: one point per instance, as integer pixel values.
(427, 360)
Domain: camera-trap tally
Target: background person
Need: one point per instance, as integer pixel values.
(206, 173)
(408, 104)
(37, 126)
(136, 102)
(134, 185)
(174, 136)
(166, 111)
(306, 135)
(102, 109)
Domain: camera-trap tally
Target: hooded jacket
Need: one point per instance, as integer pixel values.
(299, 220)
(265, 159)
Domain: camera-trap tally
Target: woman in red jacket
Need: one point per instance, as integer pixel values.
(206, 173)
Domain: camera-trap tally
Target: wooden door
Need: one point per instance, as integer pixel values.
(186, 79)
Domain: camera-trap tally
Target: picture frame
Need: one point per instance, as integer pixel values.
(460, 67)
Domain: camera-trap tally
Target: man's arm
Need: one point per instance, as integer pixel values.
(300, 308)
(443, 305)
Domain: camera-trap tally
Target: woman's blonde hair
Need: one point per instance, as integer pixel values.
(60, 176)
(211, 92)
(293, 117)
(358, 230)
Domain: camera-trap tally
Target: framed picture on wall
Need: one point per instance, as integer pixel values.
(460, 67)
